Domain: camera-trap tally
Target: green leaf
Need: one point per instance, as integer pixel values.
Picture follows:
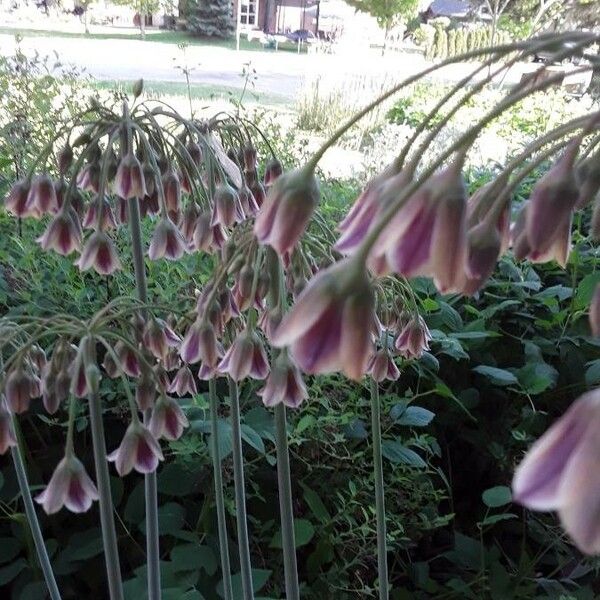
(9, 572)
(316, 505)
(259, 579)
(83, 545)
(585, 290)
(171, 517)
(252, 438)
(176, 479)
(537, 377)
(262, 421)
(304, 423)
(33, 591)
(303, 530)
(193, 557)
(356, 430)
(496, 376)
(9, 548)
(492, 519)
(415, 416)
(396, 452)
(592, 373)
(497, 496)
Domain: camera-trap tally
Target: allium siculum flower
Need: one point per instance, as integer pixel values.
(129, 180)
(167, 241)
(273, 170)
(79, 381)
(183, 383)
(284, 384)
(99, 253)
(414, 338)
(242, 289)
(188, 222)
(329, 328)
(41, 198)
(139, 450)
(483, 249)
(128, 359)
(69, 486)
(595, 312)
(587, 176)
(167, 420)
(200, 343)
(427, 236)
(287, 210)
(19, 389)
(560, 472)
(7, 435)
(172, 192)
(158, 337)
(550, 208)
(88, 179)
(377, 194)
(145, 389)
(382, 367)
(63, 234)
(245, 358)
(247, 202)
(559, 250)
(226, 207)
(16, 199)
(99, 215)
(64, 159)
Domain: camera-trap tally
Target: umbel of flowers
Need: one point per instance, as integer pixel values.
(287, 297)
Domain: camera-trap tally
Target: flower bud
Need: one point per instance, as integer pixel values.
(138, 88)
(172, 192)
(273, 170)
(414, 338)
(145, 390)
(64, 159)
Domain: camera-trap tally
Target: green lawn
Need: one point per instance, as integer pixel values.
(154, 35)
(197, 91)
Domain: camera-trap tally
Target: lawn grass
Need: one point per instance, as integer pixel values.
(197, 91)
(152, 35)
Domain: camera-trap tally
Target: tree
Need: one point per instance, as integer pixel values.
(143, 8)
(212, 18)
(388, 13)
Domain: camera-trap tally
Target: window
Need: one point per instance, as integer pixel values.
(248, 13)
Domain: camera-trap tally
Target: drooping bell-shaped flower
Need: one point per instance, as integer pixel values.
(329, 328)
(167, 420)
(19, 389)
(483, 249)
(167, 241)
(145, 389)
(138, 450)
(560, 472)
(273, 169)
(99, 215)
(383, 188)
(587, 176)
(7, 434)
(427, 235)
(226, 208)
(129, 180)
(172, 193)
(99, 253)
(382, 367)
(200, 343)
(128, 359)
(183, 383)
(203, 233)
(188, 222)
(247, 202)
(284, 384)
(550, 207)
(287, 210)
(77, 369)
(69, 486)
(16, 199)
(88, 179)
(41, 198)
(245, 358)
(158, 337)
(414, 338)
(63, 234)
(595, 312)
(242, 289)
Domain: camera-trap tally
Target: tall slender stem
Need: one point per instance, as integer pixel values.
(32, 519)
(382, 567)
(240, 493)
(292, 590)
(219, 497)
(109, 534)
(150, 484)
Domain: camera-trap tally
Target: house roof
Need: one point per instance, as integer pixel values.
(450, 8)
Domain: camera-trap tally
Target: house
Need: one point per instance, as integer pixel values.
(276, 16)
(455, 9)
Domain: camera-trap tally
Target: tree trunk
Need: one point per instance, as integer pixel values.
(385, 39)
(142, 25)
(86, 21)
